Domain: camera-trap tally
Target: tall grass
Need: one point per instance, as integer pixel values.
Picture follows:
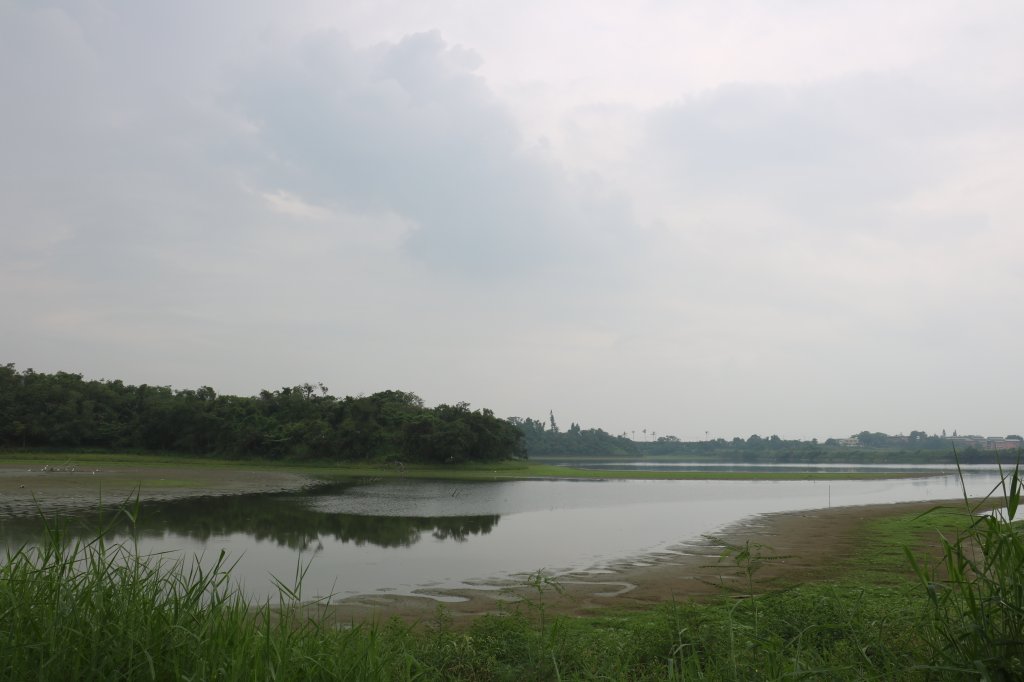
(84, 611)
(976, 590)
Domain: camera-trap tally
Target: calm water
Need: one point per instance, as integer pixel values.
(834, 467)
(406, 537)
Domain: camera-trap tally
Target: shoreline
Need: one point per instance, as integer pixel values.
(801, 546)
(28, 490)
(811, 544)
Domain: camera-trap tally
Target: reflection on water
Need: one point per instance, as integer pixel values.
(405, 536)
(285, 519)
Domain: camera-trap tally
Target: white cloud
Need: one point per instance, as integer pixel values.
(409, 128)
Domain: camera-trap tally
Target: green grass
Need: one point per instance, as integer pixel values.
(528, 470)
(817, 632)
(498, 470)
(976, 591)
(92, 611)
(882, 557)
(84, 459)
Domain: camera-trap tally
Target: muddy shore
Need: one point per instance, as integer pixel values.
(811, 545)
(26, 489)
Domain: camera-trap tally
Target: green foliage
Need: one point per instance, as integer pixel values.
(748, 559)
(303, 422)
(977, 591)
(538, 584)
(816, 632)
(92, 611)
(540, 441)
(544, 441)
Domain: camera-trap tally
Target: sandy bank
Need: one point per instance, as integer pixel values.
(28, 488)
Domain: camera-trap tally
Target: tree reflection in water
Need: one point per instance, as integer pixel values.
(281, 518)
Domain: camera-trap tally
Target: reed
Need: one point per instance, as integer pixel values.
(976, 589)
(89, 610)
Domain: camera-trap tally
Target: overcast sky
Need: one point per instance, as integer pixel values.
(724, 217)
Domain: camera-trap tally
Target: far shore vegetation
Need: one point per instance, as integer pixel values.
(307, 424)
(467, 471)
(301, 423)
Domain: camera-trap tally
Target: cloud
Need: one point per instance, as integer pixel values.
(835, 154)
(837, 182)
(408, 127)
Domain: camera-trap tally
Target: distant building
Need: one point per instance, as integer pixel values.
(959, 442)
(986, 443)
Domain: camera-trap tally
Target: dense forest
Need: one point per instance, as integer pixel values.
(542, 440)
(63, 410)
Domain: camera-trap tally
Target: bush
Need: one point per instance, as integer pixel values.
(976, 591)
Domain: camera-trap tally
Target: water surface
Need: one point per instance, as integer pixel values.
(414, 536)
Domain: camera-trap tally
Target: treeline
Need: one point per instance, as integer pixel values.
(752, 449)
(542, 441)
(63, 410)
(917, 440)
(543, 438)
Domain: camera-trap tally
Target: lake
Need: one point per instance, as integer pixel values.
(410, 537)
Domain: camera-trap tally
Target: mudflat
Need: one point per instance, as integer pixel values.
(807, 545)
(58, 485)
